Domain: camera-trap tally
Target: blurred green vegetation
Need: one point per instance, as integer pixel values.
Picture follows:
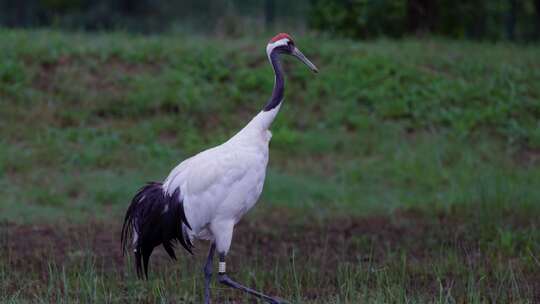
(86, 119)
(476, 19)
(515, 20)
(221, 17)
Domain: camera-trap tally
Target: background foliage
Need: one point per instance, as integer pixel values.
(476, 19)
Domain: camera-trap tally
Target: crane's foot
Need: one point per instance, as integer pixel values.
(276, 300)
(225, 280)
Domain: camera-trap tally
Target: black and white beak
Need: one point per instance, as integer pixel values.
(296, 53)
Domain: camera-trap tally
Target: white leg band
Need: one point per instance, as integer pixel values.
(222, 267)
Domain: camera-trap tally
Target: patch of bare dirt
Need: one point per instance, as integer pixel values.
(33, 246)
(528, 156)
(343, 239)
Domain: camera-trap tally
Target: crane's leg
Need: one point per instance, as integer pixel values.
(225, 280)
(223, 231)
(208, 273)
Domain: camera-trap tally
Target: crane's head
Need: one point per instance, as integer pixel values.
(282, 43)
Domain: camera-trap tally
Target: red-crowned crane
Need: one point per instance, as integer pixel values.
(207, 194)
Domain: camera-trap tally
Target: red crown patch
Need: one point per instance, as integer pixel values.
(280, 36)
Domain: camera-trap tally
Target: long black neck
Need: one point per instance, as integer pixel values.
(279, 85)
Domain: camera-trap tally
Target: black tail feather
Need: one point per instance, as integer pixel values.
(169, 248)
(146, 258)
(138, 264)
(156, 218)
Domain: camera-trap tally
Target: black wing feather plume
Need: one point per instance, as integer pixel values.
(157, 218)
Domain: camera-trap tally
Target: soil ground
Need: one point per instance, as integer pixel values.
(408, 239)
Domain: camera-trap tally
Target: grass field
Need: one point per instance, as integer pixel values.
(406, 171)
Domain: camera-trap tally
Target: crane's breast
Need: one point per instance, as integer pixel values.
(222, 185)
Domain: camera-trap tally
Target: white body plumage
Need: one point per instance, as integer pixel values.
(219, 185)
